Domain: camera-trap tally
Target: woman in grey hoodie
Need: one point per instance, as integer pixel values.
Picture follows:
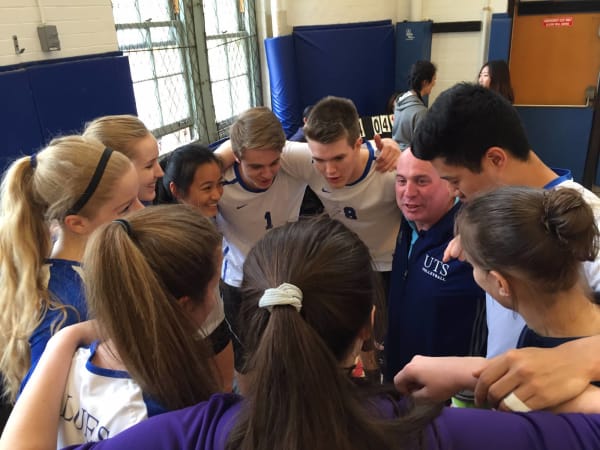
(409, 108)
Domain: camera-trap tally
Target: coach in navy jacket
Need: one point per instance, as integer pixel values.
(435, 308)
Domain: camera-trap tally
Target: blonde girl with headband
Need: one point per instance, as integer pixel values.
(78, 184)
(128, 134)
(149, 282)
(309, 301)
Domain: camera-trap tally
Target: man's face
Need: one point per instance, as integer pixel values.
(259, 167)
(338, 161)
(463, 181)
(421, 194)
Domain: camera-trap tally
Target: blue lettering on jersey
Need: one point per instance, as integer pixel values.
(350, 213)
(83, 420)
(269, 221)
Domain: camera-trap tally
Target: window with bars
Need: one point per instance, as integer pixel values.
(194, 66)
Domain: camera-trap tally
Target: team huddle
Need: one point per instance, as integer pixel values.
(223, 320)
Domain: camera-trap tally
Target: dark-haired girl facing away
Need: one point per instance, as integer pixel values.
(527, 247)
(308, 295)
(409, 108)
(193, 176)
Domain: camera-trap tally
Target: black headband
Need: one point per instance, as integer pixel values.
(126, 226)
(91, 187)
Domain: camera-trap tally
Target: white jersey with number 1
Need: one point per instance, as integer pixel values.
(246, 214)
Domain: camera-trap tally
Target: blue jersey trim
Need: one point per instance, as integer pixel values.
(563, 175)
(238, 176)
(60, 260)
(111, 373)
(153, 408)
(367, 166)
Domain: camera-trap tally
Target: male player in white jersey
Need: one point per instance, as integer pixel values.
(258, 196)
(345, 180)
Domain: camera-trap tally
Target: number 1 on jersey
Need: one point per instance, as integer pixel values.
(268, 219)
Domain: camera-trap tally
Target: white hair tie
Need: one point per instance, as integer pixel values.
(284, 294)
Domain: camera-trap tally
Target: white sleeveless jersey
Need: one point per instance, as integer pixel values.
(99, 403)
(368, 206)
(246, 214)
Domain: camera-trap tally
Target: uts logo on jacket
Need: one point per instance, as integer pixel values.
(435, 268)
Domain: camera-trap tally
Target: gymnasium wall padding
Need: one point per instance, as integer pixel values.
(559, 136)
(19, 123)
(500, 31)
(69, 94)
(350, 60)
(413, 43)
(51, 98)
(285, 95)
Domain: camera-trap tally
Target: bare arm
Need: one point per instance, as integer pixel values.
(588, 402)
(438, 378)
(225, 153)
(454, 250)
(34, 420)
(388, 152)
(541, 378)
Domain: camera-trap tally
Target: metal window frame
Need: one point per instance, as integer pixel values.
(191, 35)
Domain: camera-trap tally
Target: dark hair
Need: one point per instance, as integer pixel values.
(500, 78)
(420, 72)
(464, 122)
(333, 118)
(541, 236)
(306, 111)
(391, 103)
(296, 384)
(180, 167)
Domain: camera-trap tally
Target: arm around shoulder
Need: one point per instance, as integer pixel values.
(33, 422)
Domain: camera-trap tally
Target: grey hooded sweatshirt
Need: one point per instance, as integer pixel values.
(408, 112)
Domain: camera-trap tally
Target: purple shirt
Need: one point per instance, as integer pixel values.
(207, 426)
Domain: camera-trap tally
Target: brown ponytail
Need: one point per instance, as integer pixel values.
(135, 271)
(299, 397)
(541, 236)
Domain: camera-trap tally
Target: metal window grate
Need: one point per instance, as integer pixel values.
(194, 67)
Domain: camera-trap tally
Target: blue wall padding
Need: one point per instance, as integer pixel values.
(413, 43)
(41, 101)
(71, 93)
(19, 124)
(285, 95)
(351, 60)
(559, 136)
(500, 33)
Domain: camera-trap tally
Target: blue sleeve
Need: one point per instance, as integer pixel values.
(475, 429)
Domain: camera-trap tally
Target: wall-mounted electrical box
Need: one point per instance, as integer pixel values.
(48, 38)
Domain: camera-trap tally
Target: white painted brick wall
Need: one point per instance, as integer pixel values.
(84, 27)
(458, 56)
